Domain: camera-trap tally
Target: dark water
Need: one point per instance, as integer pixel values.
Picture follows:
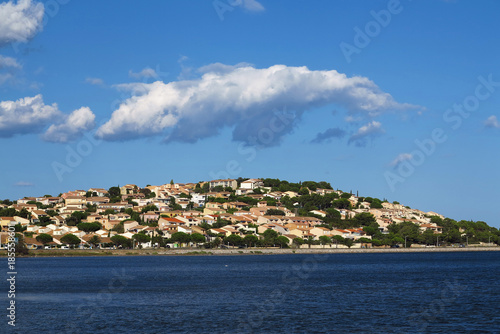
(344, 293)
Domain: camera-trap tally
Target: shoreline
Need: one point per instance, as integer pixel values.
(245, 251)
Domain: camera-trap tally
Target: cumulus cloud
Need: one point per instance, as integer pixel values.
(71, 127)
(20, 20)
(145, 73)
(9, 62)
(492, 122)
(370, 130)
(329, 134)
(401, 158)
(242, 97)
(26, 115)
(95, 81)
(32, 115)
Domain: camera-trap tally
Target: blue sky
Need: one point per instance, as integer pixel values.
(394, 99)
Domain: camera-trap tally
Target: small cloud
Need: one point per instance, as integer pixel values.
(9, 62)
(72, 126)
(9, 70)
(32, 115)
(23, 184)
(492, 122)
(20, 20)
(39, 70)
(186, 71)
(370, 130)
(352, 119)
(328, 134)
(95, 81)
(145, 73)
(401, 158)
(252, 5)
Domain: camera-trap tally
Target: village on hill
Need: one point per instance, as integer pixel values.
(227, 214)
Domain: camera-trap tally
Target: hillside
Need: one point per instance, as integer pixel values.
(229, 213)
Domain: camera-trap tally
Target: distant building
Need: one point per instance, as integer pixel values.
(224, 183)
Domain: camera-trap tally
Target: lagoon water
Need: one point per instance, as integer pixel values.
(342, 293)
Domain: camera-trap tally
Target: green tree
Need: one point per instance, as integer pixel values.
(325, 240)
(428, 237)
(118, 228)
(348, 242)
(270, 237)
(282, 241)
(364, 219)
(148, 208)
(120, 240)
(197, 238)
(44, 238)
(233, 239)
(342, 203)
(44, 221)
(114, 192)
(71, 239)
(141, 238)
(337, 239)
(181, 237)
(89, 227)
(274, 212)
(376, 204)
(95, 240)
(20, 247)
(250, 240)
(298, 242)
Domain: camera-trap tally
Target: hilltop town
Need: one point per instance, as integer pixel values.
(229, 213)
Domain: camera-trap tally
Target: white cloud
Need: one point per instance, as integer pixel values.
(370, 130)
(72, 127)
(23, 184)
(239, 96)
(145, 73)
(492, 122)
(8, 62)
(352, 119)
(26, 115)
(401, 158)
(95, 81)
(20, 21)
(9, 68)
(32, 115)
(252, 5)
